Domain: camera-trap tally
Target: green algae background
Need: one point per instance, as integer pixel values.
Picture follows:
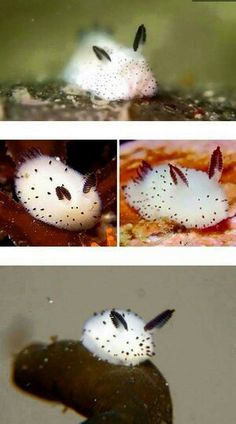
(189, 43)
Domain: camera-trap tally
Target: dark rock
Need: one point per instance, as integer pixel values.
(55, 101)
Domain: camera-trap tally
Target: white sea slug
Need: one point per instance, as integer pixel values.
(56, 194)
(190, 197)
(110, 71)
(121, 337)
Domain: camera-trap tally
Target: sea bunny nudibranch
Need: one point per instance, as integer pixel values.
(107, 376)
(110, 71)
(190, 197)
(56, 194)
(121, 337)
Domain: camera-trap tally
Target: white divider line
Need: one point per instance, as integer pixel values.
(118, 130)
(107, 256)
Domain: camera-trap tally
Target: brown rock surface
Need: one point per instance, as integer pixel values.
(55, 101)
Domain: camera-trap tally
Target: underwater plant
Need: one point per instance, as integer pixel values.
(56, 204)
(108, 70)
(106, 376)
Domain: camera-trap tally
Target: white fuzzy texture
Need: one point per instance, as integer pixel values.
(118, 345)
(201, 204)
(35, 184)
(125, 77)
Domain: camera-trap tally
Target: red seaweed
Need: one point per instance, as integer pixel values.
(17, 148)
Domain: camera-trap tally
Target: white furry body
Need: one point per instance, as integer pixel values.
(118, 345)
(125, 77)
(35, 184)
(201, 204)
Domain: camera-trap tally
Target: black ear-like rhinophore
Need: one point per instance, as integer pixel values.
(216, 164)
(118, 319)
(176, 172)
(62, 193)
(90, 181)
(159, 320)
(101, 53)
(142, 170)
(140, 37)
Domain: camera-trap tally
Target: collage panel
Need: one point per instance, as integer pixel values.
(58, 193)
(71, 60)
(178, 193)
(117, 345)
(115, 335)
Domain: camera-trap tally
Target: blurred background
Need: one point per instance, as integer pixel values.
(195, 350)
(189, 43)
